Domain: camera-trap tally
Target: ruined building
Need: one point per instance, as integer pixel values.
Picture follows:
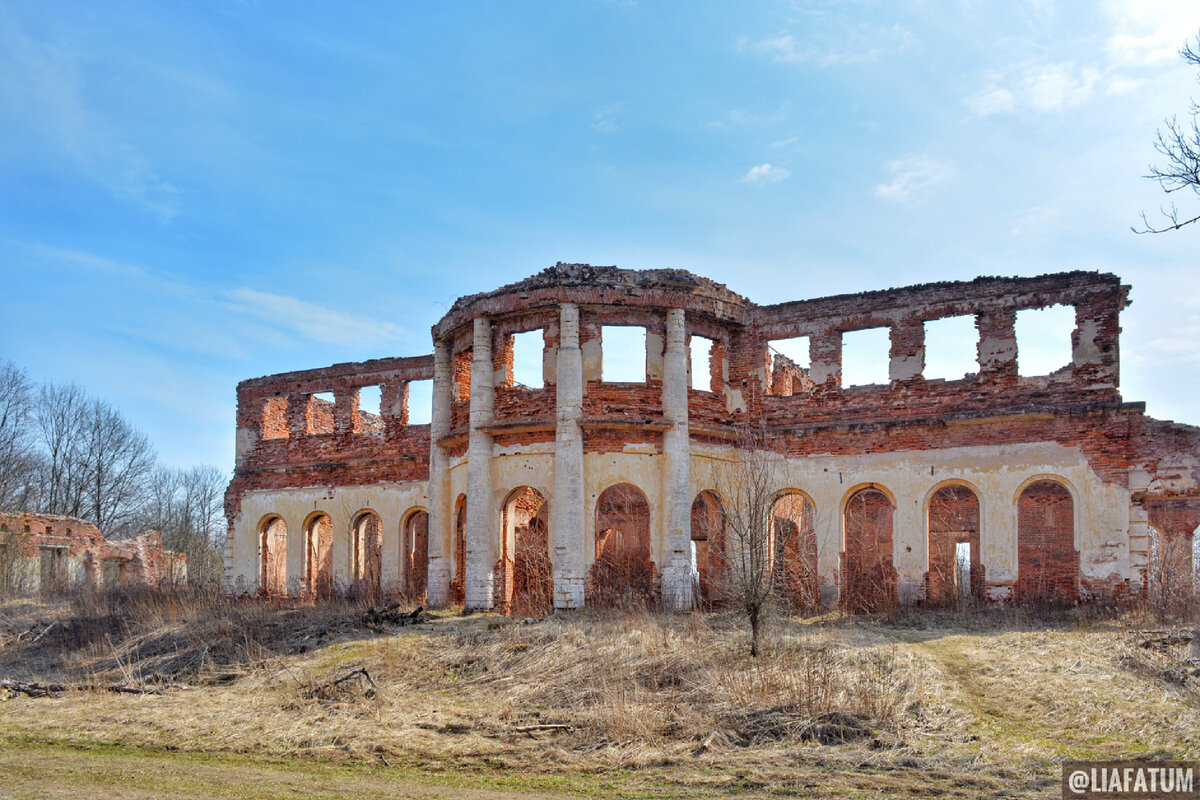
(50, 553)
(582, 490)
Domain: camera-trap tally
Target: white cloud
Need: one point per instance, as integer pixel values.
(608, 119)
(766, 173)
(313, 322)
(1147, 33)
(912, 177)
(847, 45)
(1046, 87)
(1033, 220)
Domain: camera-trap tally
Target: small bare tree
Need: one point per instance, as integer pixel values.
(1179, 143)
(746, 483)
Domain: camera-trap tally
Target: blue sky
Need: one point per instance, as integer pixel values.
(196, 193)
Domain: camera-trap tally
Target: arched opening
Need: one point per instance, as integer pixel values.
(1047, 561)
(458, 592)
(318, 556)
(622, 572)
(366, 556)
(708, 545)
(414, 557)
(272, 556)
(525, 577)
(795, 549)
(868, 575)
(955, 576)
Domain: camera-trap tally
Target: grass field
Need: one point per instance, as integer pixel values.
(628, 704)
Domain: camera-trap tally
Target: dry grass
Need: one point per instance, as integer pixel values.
(889, 705)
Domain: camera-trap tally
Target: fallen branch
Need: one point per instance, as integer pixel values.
(544, 727)
(359, 673)
(56, 689)
(392, 615)
(1166, 641)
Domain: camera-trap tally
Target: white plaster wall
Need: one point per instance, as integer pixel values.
(391, 501)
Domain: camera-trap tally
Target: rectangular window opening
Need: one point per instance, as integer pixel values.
(623, 354)
(370, 400)
(420, 402)
(866, 357)
(701, 363)
(790, 361)
(527, 349)
(1044, 339)
(320, 412)
(951, 348)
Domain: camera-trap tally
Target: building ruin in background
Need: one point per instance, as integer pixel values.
(993, 486)
(49, 554)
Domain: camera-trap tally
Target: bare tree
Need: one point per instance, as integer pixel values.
(16, 445)
(117, 461)
(186, 507)
(746, 483)
(59, 426)
(1179, 143)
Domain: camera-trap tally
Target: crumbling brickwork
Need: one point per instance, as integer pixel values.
(1048, 487)
(49, 553)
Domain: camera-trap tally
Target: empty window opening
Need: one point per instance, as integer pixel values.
(1047, 561)
(275, 418)
(790, 361)
(708, 548)
(866, 357)
(272, 557)
(701, 363)
(320, 412)
(623, 357)
(370, 420)
(951, 348)
(420, 402)
(527, 349)
(1044, 339)
(458, 584)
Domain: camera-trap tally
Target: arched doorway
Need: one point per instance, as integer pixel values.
(1047, 561)
(622, 571)
(318, 556)
(955, 576)
(868, 575)
(415, 555)
(366, 556)
(458, 593)
(525, 577)
(272, 556)
(795, 551)
(708, 543)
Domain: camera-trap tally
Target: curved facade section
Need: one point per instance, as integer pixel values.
(715, 367)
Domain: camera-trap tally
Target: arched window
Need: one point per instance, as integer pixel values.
(272, 556)
(366, 556)
(622, 571)
(955, 575)
(795, 551)
(525, 585)
(414, 558)
(708, 543)
(458, 594)
(868, 576)
(318, 556)
(1047, 561)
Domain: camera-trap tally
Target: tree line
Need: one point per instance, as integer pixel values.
(63, 451)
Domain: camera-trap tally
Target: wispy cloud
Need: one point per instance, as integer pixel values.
(609, 118)
(42, 80)
(1047, 87)
(1149, 33)
(846, 45)
(1033, 220)
(912, 177)
(766, 173)
(314, 322)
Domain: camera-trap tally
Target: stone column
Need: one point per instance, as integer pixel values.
(678, 567)
(568, 507)
(441, 517)
(480, 514)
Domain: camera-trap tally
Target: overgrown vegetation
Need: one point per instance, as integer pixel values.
(983, 702)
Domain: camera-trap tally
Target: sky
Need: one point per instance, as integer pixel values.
(196, 193)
